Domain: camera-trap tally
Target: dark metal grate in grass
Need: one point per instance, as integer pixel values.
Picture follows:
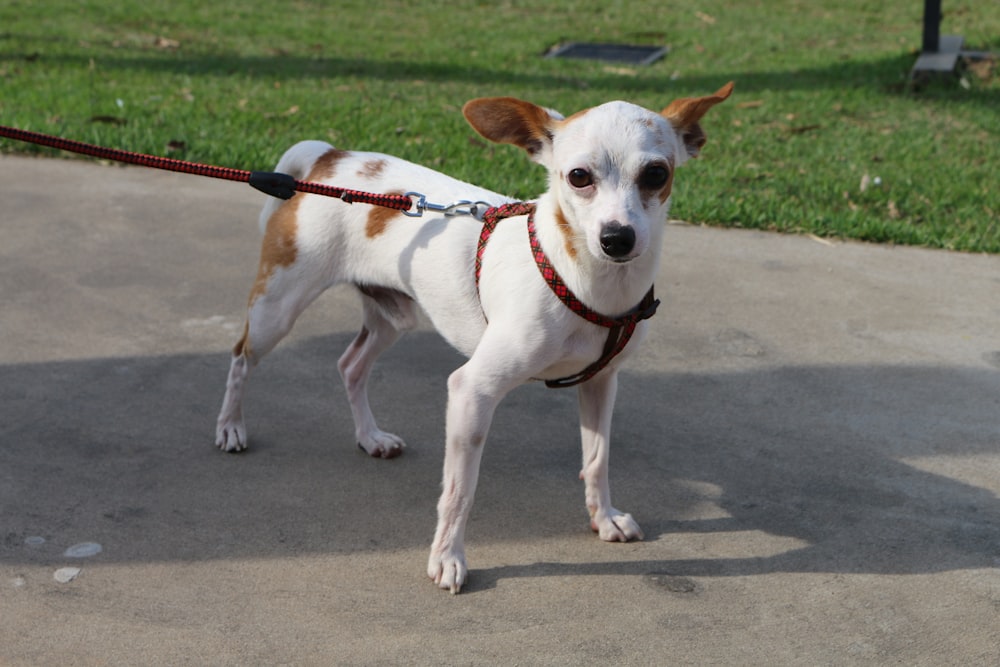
(618, 53)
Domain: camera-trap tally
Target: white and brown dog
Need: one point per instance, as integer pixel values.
(595, 234)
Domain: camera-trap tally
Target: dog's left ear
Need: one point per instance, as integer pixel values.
(685, 113)
(508, 120)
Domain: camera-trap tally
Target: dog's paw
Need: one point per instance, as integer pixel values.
(382, 445)
(231, 436)
(615, 526)
(447, 570)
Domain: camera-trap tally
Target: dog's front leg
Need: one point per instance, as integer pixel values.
(597, 400)
(471, 404)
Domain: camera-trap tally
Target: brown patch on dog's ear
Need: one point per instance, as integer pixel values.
(379, 217)
(508, 120)
(685, 113)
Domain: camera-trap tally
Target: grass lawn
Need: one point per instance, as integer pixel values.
(822, 135)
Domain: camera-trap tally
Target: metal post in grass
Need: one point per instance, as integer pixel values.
(932, 26)
(939, 53)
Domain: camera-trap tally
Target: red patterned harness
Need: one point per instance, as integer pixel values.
(620, 329)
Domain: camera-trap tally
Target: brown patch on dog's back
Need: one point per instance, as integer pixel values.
(326, 164)
(378, 219)
(371, 169)
(563, 224)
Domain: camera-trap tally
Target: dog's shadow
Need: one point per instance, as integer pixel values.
(842, 460)
(834, 460)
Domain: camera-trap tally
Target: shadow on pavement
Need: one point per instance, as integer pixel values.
(119, 451)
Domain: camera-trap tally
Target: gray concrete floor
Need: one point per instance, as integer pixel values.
(810, 439)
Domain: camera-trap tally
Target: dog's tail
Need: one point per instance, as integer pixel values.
(297, 162)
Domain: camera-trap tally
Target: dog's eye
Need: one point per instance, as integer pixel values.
(654, 177)
(580, 178)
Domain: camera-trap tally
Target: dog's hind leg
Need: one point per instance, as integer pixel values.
(230, 432)
(272, 312)
(387, 314)
(288, 280)
(597, 398)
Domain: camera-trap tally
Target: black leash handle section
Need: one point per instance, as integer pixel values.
(275, 184)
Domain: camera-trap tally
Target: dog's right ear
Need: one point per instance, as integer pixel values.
(508, 120)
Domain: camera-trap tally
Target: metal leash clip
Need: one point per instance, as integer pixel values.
(461, 207)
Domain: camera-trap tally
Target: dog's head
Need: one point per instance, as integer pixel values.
(611, 167)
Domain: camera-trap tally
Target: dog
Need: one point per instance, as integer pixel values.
(598, 230)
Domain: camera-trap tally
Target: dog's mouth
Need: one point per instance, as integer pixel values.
(603, 256)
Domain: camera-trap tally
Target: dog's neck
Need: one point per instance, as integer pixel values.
(610, 288)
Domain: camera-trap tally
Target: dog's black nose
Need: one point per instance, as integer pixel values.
(617, 240)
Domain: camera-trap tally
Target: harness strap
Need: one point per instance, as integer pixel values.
(491, 217)
(620, 329)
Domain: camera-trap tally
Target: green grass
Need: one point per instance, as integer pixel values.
(821, 97)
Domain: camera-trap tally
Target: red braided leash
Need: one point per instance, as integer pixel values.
(620, 329)
(275, 184)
